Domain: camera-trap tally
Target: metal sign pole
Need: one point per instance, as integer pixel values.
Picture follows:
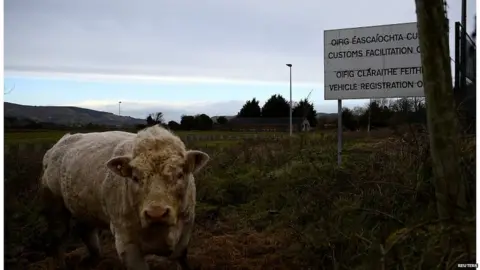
(339, 133)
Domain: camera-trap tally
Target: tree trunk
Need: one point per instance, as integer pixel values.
(450, 186)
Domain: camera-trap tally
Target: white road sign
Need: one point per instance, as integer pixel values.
(373, 62)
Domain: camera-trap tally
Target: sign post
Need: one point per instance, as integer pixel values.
(371, 62)
(340, 133)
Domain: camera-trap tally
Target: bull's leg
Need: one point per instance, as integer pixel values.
(183, 260)
(58, 219)
(89, 236)
(129, 253)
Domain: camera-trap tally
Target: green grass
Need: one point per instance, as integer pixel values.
(218, 132)
(217, 144)
(284, 204)
(33, 137)
(53, 136)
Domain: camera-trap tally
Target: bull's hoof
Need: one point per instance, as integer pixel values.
(89, 261)
(60, 265)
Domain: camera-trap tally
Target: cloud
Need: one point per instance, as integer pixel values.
(213, 39)
(171, 110)
(78, 75)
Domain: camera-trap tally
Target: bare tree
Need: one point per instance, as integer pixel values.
(155, 118)
(441, 118)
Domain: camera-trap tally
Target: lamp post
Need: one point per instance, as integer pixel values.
(119, 107)
(291, 122)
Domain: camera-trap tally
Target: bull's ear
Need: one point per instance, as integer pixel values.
(196, 160)
(120, 165)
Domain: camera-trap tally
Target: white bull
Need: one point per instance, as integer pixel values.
(140, 186)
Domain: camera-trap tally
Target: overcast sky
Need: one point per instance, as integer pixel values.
(166, 55)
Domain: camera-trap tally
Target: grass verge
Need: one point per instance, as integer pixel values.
(284, 204)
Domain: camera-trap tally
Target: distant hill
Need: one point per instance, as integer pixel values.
(68, 115)
(65, 115)
(327, 115)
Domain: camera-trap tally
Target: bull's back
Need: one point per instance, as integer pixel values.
(76, 168)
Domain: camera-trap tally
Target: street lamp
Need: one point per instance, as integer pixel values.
(119, 107)
(291, 124)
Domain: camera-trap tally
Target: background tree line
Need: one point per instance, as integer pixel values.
(275, 107)
(278, 107)
(187, 122)
(381, 113)
(378, 113)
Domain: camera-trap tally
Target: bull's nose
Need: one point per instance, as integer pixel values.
(160, 214)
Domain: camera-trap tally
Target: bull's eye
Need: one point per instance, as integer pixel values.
(180, 175)
(135, 179)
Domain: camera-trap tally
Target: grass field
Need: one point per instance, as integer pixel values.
(33, 137)
(284, 204)
(52, 136)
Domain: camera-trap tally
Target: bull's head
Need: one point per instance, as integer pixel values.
(162, 180)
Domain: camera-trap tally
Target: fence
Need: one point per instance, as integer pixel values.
(36, 148)
(465, 57)
(465, 77)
